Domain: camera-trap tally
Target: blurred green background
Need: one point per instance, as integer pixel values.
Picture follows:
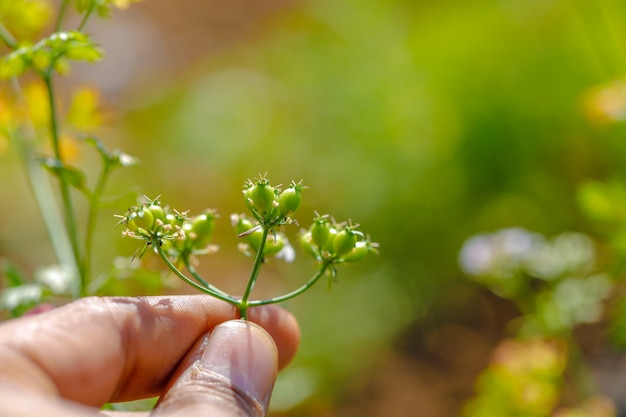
(425, 122)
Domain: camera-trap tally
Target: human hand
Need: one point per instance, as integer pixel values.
(188, 350)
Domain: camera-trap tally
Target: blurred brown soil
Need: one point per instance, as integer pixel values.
(433, 367)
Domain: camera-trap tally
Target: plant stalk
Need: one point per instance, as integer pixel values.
(86, 17)
(61, 16)
(70, 218)
(7, 38)
(92, 216)
(254, 274)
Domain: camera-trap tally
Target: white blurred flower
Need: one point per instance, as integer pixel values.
(60, 279)
(24, 294)
(477, 256)
(508, 251)
(287, 253)
(500, 253)
(567, 253)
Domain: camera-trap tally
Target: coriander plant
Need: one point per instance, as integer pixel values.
(177, 238)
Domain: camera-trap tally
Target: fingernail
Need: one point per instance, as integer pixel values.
(246, 354)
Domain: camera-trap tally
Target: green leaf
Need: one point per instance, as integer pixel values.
(62, 66)
(15, 63)
(83, 51)
(51, 52)
(68, 174)
(40, 59)
(72, 45)
(98, 145)
(112, 158)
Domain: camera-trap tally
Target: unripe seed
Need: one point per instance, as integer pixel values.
(360, 251)
(202, 226)
(320, 231)
(307, 245)
(243, 224)
(273, 244)
(330, 240)
(254, 239)
(144, 219)
(289, 201)
(262, 196)
(157, 212)
(344, 242)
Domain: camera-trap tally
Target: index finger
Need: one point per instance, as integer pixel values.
(97, 350)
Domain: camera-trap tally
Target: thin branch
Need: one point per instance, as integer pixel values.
(7, 37)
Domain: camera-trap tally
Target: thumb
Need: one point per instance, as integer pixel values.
(230, 373)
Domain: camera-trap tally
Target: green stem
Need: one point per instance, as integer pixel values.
(61, 16)
(47, 206)
(92, 216)
(70, 218)
(218, 295)
(293, 293)
(254, 274)
(86, 17)
(42, 192)
(7, 38)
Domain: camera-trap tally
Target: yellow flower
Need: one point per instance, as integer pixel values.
(37, 108)
(69, 148)
(84, 113)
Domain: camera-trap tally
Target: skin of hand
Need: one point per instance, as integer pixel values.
(189, 350)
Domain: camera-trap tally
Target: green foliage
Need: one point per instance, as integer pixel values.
(67, 174)
(50, 53)
(32, 113)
